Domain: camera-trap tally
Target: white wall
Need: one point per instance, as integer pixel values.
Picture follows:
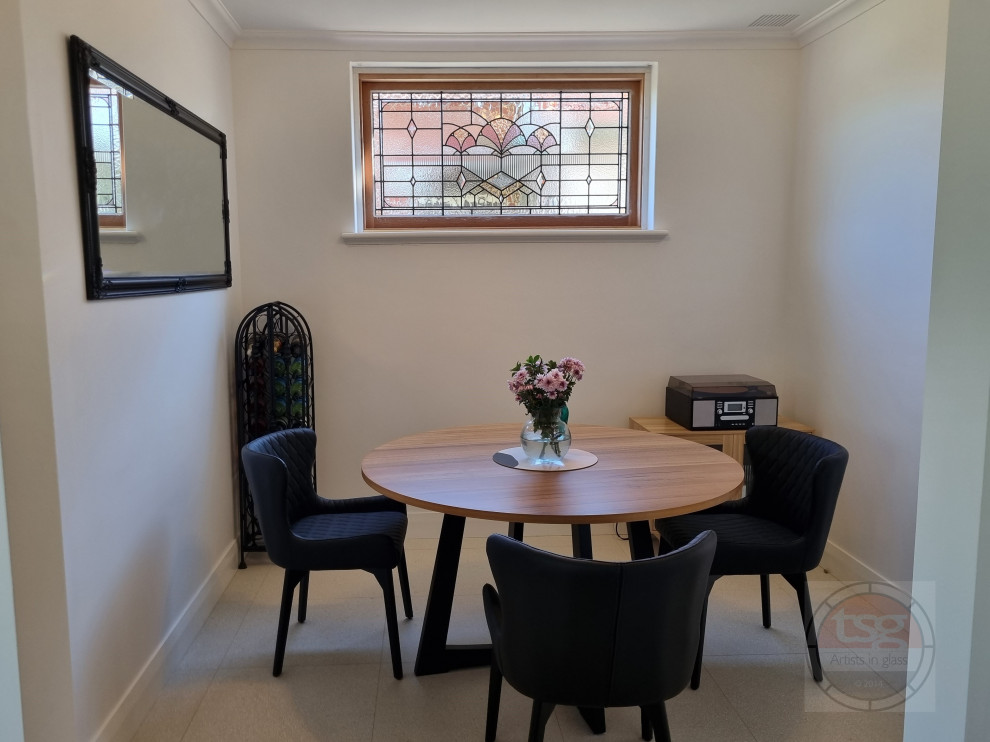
(30, 479)
(952, 546)
(859, 270)
(138, 432)
(413, 337)
(11, 718)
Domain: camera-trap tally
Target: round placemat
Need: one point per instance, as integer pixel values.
(514, 458)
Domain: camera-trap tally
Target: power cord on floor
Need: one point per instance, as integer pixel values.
(657, 541)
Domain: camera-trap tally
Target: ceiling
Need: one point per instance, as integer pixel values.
(524, 16)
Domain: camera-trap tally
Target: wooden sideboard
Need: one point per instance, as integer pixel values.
(732, 442)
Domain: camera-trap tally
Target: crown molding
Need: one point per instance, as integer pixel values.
(234, 36)
(831, 18)
(519, 42)
(219, 19)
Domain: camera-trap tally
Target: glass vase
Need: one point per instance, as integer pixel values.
(545, 437)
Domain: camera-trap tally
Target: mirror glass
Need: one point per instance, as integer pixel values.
(152, 185)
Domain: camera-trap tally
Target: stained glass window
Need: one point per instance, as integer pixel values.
(104, 109)
(542, 152)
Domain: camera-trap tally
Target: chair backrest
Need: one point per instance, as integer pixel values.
(279, 469)
(796, 481)
(581, 632)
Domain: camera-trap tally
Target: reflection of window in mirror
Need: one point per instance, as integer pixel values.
(104, 107)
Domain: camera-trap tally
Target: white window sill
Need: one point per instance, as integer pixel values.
(446, 236)
(120, 237)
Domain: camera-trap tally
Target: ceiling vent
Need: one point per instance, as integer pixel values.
(773, 20)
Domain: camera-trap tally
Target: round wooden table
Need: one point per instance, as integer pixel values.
(639, 476)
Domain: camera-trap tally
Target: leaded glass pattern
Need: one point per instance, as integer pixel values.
(104, 107)
(500, 153)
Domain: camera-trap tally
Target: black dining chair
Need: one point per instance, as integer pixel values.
(579, 632)
(304, 532)
(779, 527)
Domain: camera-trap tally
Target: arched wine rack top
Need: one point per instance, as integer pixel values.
(275, 371)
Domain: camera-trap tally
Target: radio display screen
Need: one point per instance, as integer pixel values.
(735, 407)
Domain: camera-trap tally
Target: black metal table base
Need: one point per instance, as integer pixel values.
(436, 656)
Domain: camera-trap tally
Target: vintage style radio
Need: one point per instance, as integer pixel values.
(721, 402)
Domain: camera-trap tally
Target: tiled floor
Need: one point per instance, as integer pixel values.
(337, 684)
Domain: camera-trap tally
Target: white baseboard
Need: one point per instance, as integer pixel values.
(426, 524)
(845, 567)
(125, 718)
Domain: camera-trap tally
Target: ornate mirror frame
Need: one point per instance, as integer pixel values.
(105, 285)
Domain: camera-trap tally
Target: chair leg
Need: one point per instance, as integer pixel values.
(765, 599)
(303, 596)
(289, 582)
(384, 577)
(799, 582)
(538, 720)
(494, 697)
(404, 586)
(696, 673)
(658, 719)
(645, 725)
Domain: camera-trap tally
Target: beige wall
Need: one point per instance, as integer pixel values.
(11, 718)
(859, 267)
(26, 422)
(412, 337)
(952, 544)
(123, 403)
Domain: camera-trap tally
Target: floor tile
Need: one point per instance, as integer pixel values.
(449, 707)
(173, 710)
(309, 704)
(340, 632)
(705, 714)
(778, 701)
(337, 682)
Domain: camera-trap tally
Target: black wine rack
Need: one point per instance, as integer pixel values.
(274, 385)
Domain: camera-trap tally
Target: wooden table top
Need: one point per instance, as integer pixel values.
(639, 476)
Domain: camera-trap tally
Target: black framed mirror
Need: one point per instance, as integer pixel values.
(152, 185)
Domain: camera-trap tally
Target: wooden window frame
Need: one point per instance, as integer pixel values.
(632, 82)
